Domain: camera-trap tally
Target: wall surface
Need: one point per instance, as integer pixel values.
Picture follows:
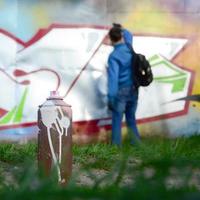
(62, 45)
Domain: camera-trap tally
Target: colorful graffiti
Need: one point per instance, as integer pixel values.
(47, 46)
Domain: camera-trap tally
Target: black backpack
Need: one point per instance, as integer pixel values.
(142, 73)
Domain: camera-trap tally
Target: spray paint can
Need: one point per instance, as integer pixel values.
(55, 137)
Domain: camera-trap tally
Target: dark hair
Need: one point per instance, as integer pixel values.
(117, 25)
(115, 34)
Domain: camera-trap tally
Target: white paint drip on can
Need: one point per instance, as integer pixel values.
(50, 117)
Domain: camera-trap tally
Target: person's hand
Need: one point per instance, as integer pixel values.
(110, 106)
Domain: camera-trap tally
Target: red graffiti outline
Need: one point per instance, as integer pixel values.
(92, 124)
(44, 69)
(27, 82)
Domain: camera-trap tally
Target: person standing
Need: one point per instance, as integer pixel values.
(122, 94)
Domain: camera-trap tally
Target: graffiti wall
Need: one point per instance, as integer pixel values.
(62, 45)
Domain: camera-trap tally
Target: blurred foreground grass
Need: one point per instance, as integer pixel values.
(158, 168)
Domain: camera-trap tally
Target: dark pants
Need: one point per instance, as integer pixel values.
(126, 102)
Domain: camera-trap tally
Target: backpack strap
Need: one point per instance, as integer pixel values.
(133, 53)
(134, 58)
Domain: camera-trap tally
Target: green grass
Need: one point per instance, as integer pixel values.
(150, 150)
(15, 153)
(159, 168)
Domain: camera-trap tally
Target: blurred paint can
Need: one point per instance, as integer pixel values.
(55, 137)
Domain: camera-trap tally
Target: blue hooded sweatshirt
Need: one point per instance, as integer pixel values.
(120, 67)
